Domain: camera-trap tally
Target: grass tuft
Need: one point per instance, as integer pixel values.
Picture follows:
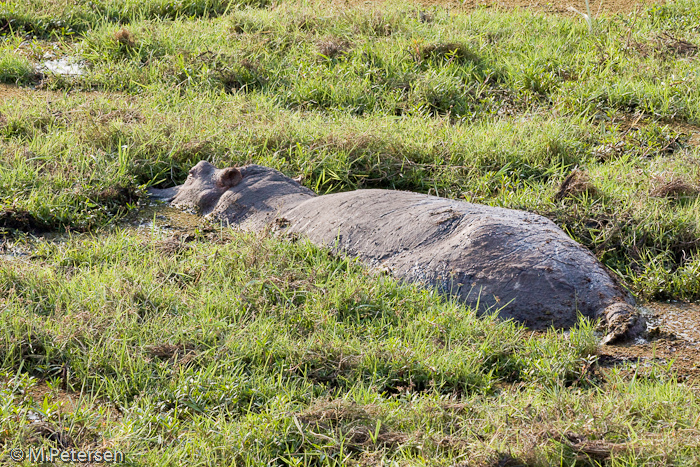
(674, 188)
(577, 183)
(447, 52)
(124, 37)
(332, 48)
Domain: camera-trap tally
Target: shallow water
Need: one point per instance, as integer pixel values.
(63, 66)
(681, 320)
(14, 251)
(671, 344)
(160, 218)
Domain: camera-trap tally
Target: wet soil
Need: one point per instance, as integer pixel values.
(162, 219)
(673, 342)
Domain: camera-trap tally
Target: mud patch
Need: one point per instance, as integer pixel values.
(24, 221)
(681, 320)
(13, 251)
(172, 229)
(673, 342)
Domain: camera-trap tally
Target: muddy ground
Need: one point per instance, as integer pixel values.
(673, 341)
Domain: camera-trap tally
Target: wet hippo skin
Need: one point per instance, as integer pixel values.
(516, 262)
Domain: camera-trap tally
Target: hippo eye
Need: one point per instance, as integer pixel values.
(191, 172)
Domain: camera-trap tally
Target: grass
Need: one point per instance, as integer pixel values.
(83, 161)
(216, 347)
(64, 19)
(489, 107)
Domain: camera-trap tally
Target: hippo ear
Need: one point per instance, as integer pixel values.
(229, 177)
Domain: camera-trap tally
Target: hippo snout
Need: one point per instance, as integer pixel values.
(165, 194)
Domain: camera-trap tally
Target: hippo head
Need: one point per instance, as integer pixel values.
(251, 195)
(203, 188)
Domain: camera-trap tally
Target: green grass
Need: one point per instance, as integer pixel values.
(15, 68)
(225, 348)
(491, 107)
(64, 19)
(464, 66)
(82, 162)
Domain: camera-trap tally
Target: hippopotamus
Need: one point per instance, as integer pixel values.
(516, 263)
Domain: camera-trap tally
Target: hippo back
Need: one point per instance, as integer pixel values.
(491, 258)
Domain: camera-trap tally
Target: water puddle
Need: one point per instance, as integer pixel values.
(66, 66)
(158, 218)
(16, 251)
(672, 342)
(681, 320)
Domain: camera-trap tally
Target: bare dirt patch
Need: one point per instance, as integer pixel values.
(8, 91)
